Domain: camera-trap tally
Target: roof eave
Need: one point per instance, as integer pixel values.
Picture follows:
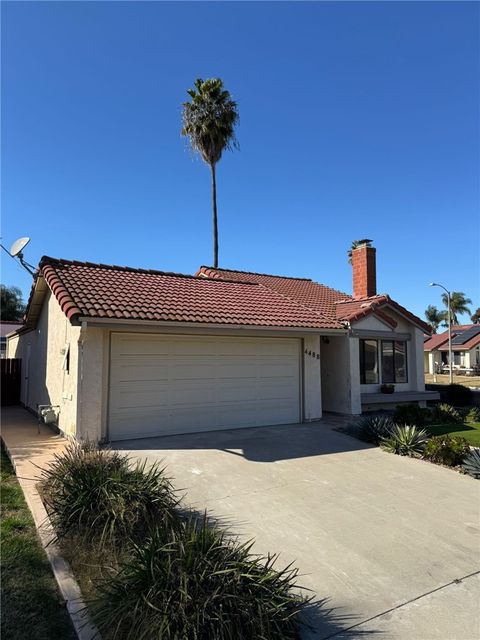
(89, 320)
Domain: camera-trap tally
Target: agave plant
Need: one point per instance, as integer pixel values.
(405, 440)
(471, 464)
(373, 428)
(196, 582)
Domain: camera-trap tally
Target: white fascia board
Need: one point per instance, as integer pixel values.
(115, 322)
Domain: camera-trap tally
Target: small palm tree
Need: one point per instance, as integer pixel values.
(209, 122)
(458, 305)
(434, 317)
(355, 245)
(475, 317)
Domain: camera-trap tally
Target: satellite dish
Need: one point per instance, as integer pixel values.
(18, 246)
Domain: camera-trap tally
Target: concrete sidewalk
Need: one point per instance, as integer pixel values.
(30, 449)
(391, 544)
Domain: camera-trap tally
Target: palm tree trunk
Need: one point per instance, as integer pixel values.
(215, 223)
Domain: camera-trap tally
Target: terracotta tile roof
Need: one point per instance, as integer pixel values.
(435, 341)
(471, 344)
(90, 290)
(330, 302)
(354, 310)
(312, 294)
(440, 340)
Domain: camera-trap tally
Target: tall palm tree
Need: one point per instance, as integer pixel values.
(355, 245)
(434, 317)
(209, 122)
(458, 304)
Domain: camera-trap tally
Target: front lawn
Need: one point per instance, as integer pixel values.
(468, 430)
(31, 603)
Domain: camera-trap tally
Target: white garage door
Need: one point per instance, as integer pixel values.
(163, 384)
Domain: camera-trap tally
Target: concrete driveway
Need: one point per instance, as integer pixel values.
(391, 546)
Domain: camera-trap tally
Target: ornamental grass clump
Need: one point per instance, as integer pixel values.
(445, 413)
(373, 428)
(195, 582)
(473, 414)
(446, 449)
(405, 441)
(100, 495)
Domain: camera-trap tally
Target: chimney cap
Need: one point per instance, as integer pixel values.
(363, 242)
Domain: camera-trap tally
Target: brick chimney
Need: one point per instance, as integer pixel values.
(364, 271)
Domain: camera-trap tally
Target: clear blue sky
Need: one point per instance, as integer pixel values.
(357, 120)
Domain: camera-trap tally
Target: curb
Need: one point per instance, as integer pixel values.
(81, 621)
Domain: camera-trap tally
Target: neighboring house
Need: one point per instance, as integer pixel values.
(6, 327)
(465, 349)
(131, 353)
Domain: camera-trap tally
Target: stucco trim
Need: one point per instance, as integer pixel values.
(381, 335)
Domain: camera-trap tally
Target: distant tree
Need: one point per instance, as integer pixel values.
(11, 303)
(355, 245)
(458, 305)
(434, 317)
(209, 122)
(475, 318)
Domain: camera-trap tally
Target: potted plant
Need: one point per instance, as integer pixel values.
(387, 388)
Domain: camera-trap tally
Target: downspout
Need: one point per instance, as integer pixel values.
(81, 356)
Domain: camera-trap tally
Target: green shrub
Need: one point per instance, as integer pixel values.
(446, 449)
(445, 413)
(194, 582)
(372, 428)
(456, 394)
(471, 464)
(473, 414)
(412, 414)
(100, 494)
(405, 441)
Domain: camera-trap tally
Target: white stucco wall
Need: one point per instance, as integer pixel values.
(12, 347)
(92, 384)
(44, 381)
(418, 375)
(312, 384)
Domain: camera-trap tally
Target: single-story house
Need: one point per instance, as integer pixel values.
(6, 327)
(127, 353)
(465, 349)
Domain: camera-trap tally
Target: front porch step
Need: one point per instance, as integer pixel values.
(399, 396)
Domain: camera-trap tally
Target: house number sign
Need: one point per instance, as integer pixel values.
(312, 354)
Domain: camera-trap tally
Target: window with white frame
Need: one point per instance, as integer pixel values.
(383, 361)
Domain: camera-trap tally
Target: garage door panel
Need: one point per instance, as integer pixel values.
(130, 345)
(133, 374)
(127, 398)
(163, 384)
